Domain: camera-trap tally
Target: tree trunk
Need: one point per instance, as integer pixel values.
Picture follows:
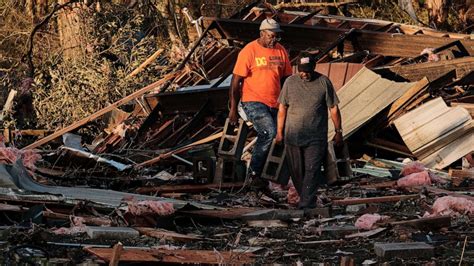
(71, 28)
(166, 9)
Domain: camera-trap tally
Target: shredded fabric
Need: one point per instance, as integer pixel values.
(367, 221)
(415, 179)
(453, 206)
(412, 167)
(150, 206)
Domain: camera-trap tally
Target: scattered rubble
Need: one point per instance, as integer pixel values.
(168, 178)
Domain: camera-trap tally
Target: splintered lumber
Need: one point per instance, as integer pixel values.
(174, 256)
(468, 106)
(168, 235)
(117, 252)
(431, 70)
(101, 112)
(146, 63)
(267, 223)
(8, 104)
(407, 97)
(179, 150)
(321, 242)
(354, 201)
(461, 173)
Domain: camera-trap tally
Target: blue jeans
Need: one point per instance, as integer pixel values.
(264, 120)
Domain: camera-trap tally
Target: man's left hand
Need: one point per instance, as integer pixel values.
(338, 139)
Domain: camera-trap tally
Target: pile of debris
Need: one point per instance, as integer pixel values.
(166, 176)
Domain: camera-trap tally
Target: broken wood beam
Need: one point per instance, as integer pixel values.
(175, 256)
(117, 252)
(146, 63)
(179, 150)
(101, 112)
(167, 235)
(353, 201)
(461, 173)
(189, 188)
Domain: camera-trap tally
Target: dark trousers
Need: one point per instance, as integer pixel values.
(305, 169)
(264, 120)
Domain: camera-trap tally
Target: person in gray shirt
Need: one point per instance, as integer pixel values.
(303, 116)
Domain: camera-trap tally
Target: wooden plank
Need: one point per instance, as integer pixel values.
(431, 70)
(167, 235)
(461, 173)
(101, 112)
(179, 150)
(116, 253)
(175, 256)
(435, 129)
(148, 61)
(267, 223)
(450, 153)
(8, 104)
(355, 201)
(468, 106)
(437, 144)
(420, 116)
(408, 95)
(320, 242)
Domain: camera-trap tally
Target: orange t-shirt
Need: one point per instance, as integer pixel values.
(262, 69)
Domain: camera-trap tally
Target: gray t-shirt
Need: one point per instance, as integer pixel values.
(307, 114)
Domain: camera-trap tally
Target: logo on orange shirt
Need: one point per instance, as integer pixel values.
(260, 61)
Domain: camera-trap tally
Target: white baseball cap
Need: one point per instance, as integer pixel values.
(271, 25)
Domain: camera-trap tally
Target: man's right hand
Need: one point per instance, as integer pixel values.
(279, 138)
(233, 118)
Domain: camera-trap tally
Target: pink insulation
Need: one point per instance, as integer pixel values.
(367, 221)
(77, 227)
(9, 155)
(293, 197)
(449, 205)
(415, 179)
(413, 167)
(149, 207)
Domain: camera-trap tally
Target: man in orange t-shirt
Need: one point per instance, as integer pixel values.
(261, 68)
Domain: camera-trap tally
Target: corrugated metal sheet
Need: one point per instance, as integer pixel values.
(437, 134)
(363, 97)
